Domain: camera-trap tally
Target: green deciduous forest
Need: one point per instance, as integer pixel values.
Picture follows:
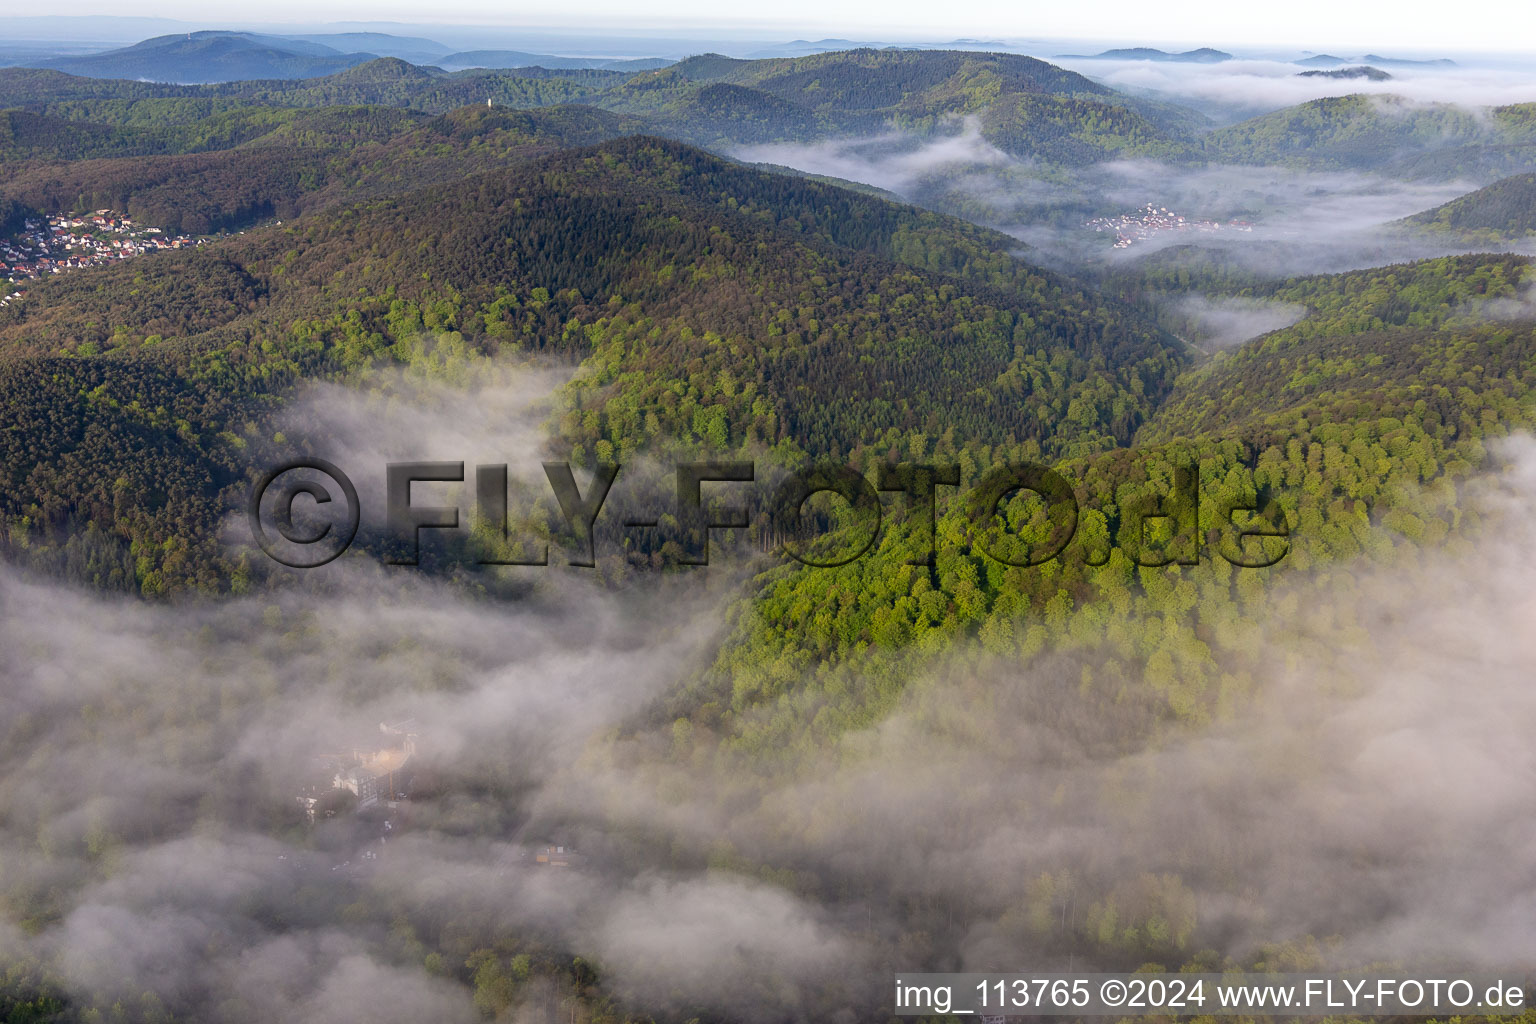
(931, 754)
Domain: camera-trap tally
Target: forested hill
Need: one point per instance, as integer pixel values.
(719, 307)
(667, 232)
(1026, 107)
(1501, 212)
(1416, 342)
(1361, 422)
(230, 170)
(716, 307)
(27, 135)
(866, 79)
(1238, 517)
(212, 57)
(1385, 133)
(387, 81)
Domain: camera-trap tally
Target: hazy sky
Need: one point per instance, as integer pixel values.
(1499, 25)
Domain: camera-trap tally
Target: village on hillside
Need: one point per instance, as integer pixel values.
(1140, 226)
(62, 242)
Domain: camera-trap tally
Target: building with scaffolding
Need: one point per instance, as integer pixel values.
(371, 774)
(379, 774)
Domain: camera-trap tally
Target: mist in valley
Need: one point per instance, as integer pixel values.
(1358, 789)
(1267, 220)
(1292, 222)
(1232, 90)
(151, 839)
(1223, 323)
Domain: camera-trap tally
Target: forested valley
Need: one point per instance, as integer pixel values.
(1186, 740)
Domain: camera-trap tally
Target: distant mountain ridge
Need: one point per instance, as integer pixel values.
(211, 57)
(1399, 62)
(415, 49)
(517, 59)
(1328, 60)
(1203, 55)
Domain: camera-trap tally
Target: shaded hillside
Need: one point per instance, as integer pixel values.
(387, 81)
(1503, 211)
(1405, 341)
(113, 471)
(652, 213)
(1028, 106)
(1356, 428)
(30, 136)
(302, 160)
(719, 306)
(1384, 133)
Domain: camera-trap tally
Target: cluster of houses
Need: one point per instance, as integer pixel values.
(59, 243)
(1136, 227)
(372, 775)
(368, 785)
